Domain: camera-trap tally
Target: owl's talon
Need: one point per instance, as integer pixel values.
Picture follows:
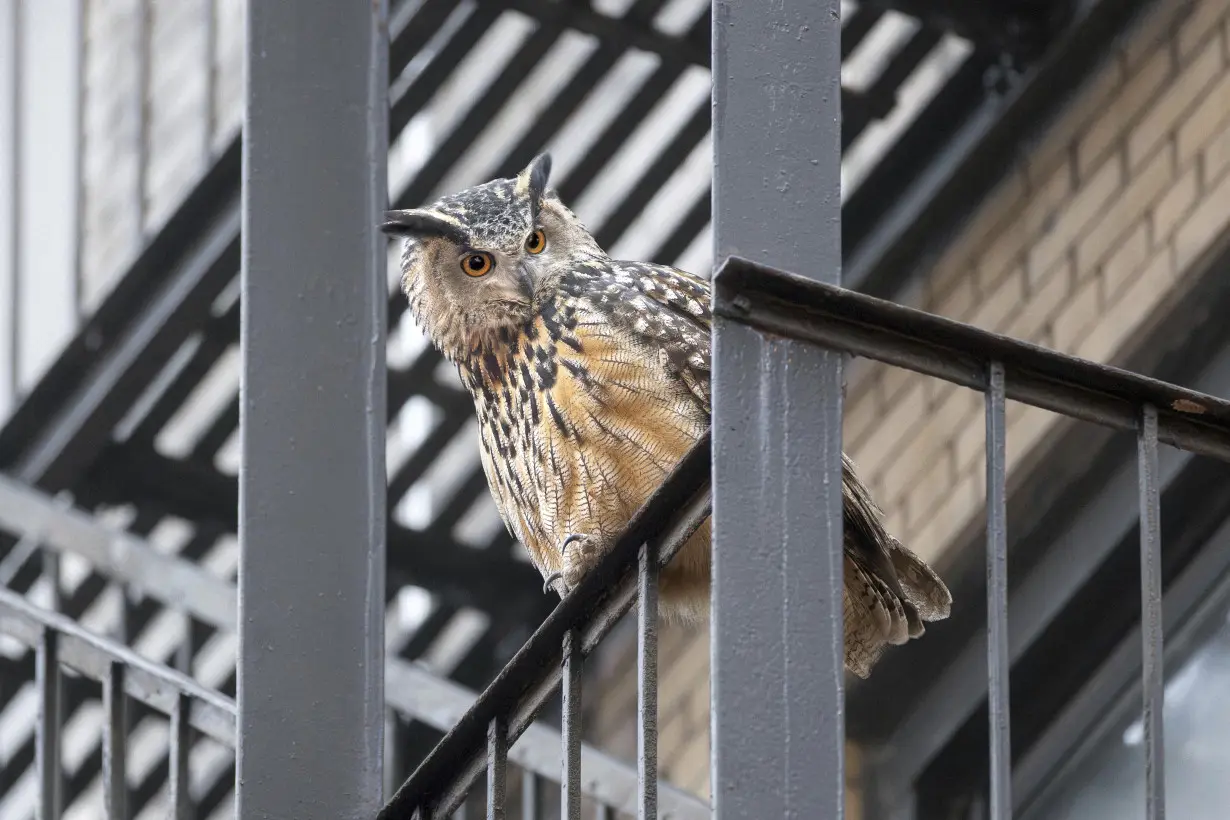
(563, 548)
(551, 579)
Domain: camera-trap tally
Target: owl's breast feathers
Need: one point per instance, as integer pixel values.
(585, 410)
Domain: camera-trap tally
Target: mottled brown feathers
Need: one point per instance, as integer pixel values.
(590, 379)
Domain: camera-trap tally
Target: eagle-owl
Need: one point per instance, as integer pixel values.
(590, 378)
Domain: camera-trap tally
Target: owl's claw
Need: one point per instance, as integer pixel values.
(577, 562)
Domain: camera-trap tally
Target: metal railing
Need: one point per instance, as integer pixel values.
(553, 657)
(783, 304)
(411, 690)
(60, 643)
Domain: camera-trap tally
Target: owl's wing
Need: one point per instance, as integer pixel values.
(669, 309)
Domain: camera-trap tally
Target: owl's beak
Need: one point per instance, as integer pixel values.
(526, 281)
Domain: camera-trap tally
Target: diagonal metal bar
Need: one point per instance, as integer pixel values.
(443, 778)
(152, 684)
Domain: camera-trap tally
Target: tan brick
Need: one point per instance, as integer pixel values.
(1175, 204)
(1025, 433)
(1155, 30)
(1121, 266)
(929, 489)
(1140, 88)
(999, 306)
(1044, 300)
(1081, 112)
(1002, 254)
(960, 301)
(1045, 200)
(1164, 116)
(898, 422)
(999, 210)
(1079, 314)
(861, 417)
(969, 445)
(1081, 209)
(932, 539)
(1217, 156)
(1203, 225)
(1132, 305)
(1129, 205)
(1204, 21)
(927, 443)
(1208, 117)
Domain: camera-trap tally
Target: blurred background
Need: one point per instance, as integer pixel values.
(1057, 171)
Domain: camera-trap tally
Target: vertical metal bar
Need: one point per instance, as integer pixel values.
(531, 796)
(312, 485)
(605, 813)
(211, 82)
(497, 770)
(647, 682)
(115, 744)
(777, 630)
(10, 210)
(997, 596)
(78, 227)
(141, 99)
(1151, 615)
(570, 729)
(47, 740)
(181, 751)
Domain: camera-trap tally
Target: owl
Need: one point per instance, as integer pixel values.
(590, 380)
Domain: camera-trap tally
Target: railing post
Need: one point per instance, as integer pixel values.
(777, 645)
(312, 485)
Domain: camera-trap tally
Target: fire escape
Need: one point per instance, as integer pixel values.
(119, 475)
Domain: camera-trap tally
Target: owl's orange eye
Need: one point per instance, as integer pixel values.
(536, 242)
(477, 264)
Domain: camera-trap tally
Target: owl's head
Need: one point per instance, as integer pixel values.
(479, 261)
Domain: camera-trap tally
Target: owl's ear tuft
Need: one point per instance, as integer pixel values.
(417, 222)
(532, 181)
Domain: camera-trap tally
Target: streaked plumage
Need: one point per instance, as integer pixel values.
(590, 378)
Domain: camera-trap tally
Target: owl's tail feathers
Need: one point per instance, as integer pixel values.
(889, 592)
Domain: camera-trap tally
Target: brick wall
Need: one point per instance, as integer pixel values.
(1096, 227)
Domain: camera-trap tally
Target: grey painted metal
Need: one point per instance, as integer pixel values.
(140, 113)
(1038, 596)
(1152, 678)
(181, 747)
(10, 212)
(115, 744)
(157, 686)
(410, 688)
(312, 486)
(47, 743)
(440, 703)
(44, 520)
(997, 596)
(647, 681)
(497, 770)
(531, 795)
(570, 728)
(793, 306)
(777, 633)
